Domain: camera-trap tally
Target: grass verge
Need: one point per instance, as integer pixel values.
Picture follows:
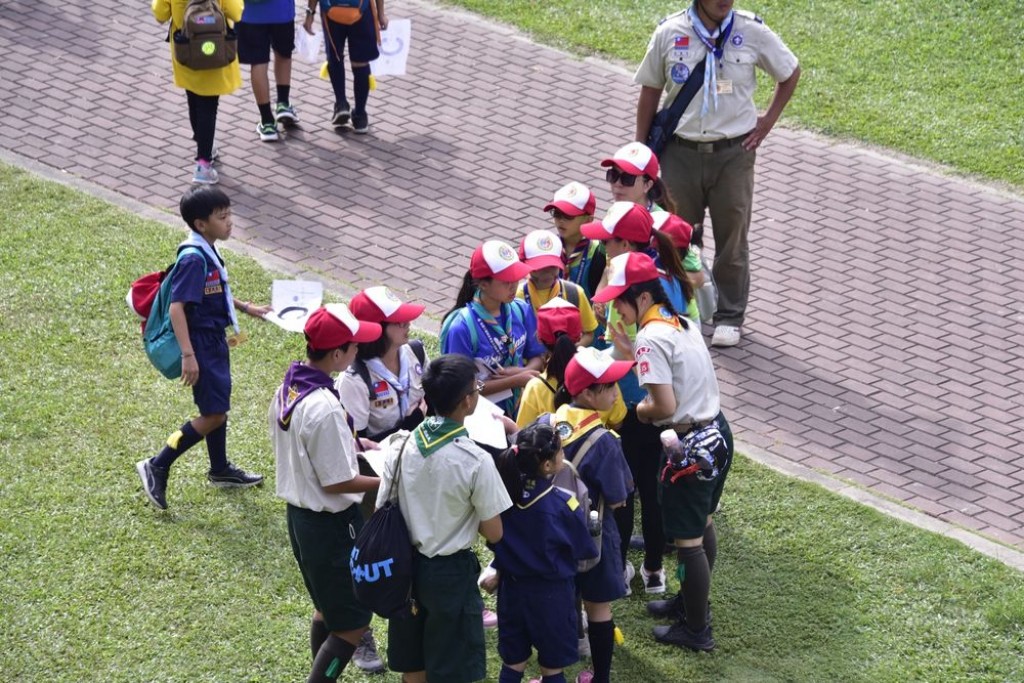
(98, 586)
(936, 80)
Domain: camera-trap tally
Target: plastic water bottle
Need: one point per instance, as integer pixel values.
(673, 448)
(594, 523)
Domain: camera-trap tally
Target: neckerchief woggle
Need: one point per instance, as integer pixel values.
(199, 242)
(500, 338)
(435, 432)
(300, 381)
(715, 51)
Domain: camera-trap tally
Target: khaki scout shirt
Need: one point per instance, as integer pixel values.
(675, 50)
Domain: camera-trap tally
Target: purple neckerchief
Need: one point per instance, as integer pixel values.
(299, 382)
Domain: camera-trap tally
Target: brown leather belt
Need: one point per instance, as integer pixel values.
(712, 146)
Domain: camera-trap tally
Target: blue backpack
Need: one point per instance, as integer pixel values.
(158, 338)
(467, 319)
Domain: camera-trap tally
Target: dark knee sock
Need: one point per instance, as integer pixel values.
(217, 447)
(711, 545)
(361, 85)
(508, 675)
(554, 678)
(336, 71)
(266, 113)
(602, 642)
(331, 660)
(318, 633)
(625, 523)
(177, 443)
(695, 581)
(283, 92)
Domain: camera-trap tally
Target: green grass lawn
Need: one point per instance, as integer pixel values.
(938, 80)
(96, 585)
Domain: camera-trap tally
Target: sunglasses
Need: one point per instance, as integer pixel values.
(614, 175)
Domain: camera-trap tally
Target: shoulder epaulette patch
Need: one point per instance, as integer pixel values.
(674, 14)
(572, 503)
(747, 14)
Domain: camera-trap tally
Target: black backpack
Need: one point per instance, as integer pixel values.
(382, 557)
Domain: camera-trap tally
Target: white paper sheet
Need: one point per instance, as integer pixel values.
(484, 425)
(394, 49)
(292, 302)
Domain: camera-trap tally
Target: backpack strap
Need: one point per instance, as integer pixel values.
(359, 366)
(417, 348)
(595, 434)
(467, 320)
(572, 292)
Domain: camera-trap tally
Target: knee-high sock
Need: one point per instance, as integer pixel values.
(508, 675)
(361, 85)
(177, 443)
(602, 644)
(217, 447)
(332, 659)
(318, 633)
(624, 522)
(554, 678)
(711, 545)
(695, 582)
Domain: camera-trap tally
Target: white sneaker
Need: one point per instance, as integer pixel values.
(654, 582)
(628, 573)
(726, 335)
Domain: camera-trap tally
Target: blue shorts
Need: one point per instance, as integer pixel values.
(212, 391)
(541, 614)
(605, 582)
(361, 38)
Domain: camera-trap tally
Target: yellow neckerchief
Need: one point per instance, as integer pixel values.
(583, 421)
(659, 314)
(530, 291)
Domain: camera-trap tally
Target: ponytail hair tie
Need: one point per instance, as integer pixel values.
(515, 449)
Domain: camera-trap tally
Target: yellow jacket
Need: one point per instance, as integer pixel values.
(222, 81)
(539, 399)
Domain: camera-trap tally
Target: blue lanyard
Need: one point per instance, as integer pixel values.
(715, 52)
(501, 339)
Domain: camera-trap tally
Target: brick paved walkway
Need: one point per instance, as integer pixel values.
(884, 343)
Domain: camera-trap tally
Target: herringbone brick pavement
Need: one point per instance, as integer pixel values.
(884, 342)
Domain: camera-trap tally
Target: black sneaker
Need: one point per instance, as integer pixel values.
(360, 122)
(234, 477)
(154, 482)
(672, 608)
(680, 635)
(341, 116)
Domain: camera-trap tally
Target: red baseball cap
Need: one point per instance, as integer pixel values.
(381, 305)
(636, 158)
(624, 220)
(624, 271)
(573, 199)
(675, 227)
(558, 315)
(496, 259)
(590, 366)
(332, 325)
(541, 249)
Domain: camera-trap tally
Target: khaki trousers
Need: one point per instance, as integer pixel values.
(722, 182)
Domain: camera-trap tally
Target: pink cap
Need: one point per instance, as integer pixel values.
(381, 305)
(590, 366)
(573, 199)
(624, 271)
(675, 227)
(496, 259)
(558, 315)
(624, 220)
(332, 325)
(636, 158)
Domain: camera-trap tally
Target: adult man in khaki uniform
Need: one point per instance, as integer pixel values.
(709, 163)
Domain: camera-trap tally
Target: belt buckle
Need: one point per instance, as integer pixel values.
(705, 147)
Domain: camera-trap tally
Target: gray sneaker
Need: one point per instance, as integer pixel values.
(366, 657)
(154, 482)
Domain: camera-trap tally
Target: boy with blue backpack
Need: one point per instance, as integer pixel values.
(201, 308)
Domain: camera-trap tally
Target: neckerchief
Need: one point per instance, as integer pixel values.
(501, 339)
(558, 284)
(583, 421)
(659, 314)
(299, 382)
(400, 384)
(435, 432)
(199, 242)
(715, 44)
(533, 490)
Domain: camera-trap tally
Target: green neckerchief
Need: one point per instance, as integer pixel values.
(434, 432)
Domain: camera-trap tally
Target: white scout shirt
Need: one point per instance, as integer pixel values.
(445, 496)
(383, 413)
(679, 357)
(675, 51)
(318, 450)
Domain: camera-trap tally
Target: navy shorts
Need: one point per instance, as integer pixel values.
(605, 582)
(446, 637)
(256, 40)
(361, 38)
(686, 504)
(322, 543)
(538, 613)
(212, 392)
